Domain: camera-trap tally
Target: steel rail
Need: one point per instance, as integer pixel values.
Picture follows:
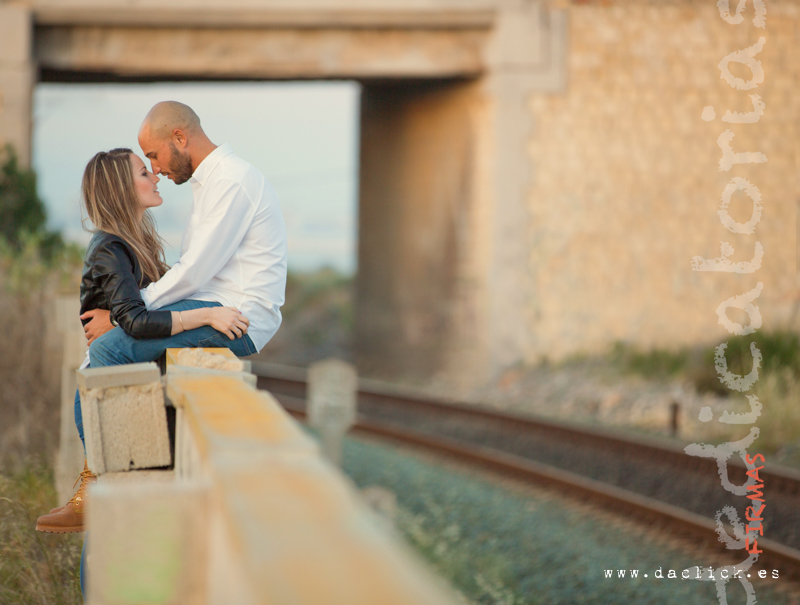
(292, 381)
(774, 555)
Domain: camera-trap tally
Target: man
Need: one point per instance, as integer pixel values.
(233, 254)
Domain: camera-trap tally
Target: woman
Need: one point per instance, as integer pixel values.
(124, 255)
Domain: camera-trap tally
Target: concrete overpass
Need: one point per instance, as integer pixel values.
(503, 216)
(444, 126)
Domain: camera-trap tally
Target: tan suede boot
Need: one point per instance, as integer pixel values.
(70, 517)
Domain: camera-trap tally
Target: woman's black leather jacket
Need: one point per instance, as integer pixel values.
(111, 280)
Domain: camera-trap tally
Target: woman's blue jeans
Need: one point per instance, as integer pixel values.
(117, 348)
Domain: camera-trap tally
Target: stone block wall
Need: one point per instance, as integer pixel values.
(626, 180)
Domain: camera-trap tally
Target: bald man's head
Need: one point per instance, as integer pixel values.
(165, 117)
(172, 139)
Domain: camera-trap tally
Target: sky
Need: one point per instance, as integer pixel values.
(303, 136)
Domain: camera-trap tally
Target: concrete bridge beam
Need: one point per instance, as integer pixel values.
(260, 53)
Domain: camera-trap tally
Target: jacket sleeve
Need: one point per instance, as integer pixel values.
(113, 271)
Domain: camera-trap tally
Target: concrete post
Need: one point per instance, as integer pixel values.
(124, 420)
(17, 79)
(332, 386)
(150, 543)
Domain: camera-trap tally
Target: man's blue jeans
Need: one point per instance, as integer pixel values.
(116, 348)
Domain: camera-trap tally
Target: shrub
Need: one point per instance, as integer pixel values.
(655, 363)
(22, 213)
(35, 266)
(780, 350)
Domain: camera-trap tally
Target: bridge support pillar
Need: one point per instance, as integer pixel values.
(419, 154)
(17, 79)
(446, 282)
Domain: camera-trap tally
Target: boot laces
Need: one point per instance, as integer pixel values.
(85, 478)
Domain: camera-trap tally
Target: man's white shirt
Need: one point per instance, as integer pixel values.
(234, 246)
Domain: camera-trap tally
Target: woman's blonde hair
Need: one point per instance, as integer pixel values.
(112, 205)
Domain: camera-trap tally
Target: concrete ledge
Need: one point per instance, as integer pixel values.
(247, 377)
(188, 464)
(207, 358)
(118, 376)
(225, 413)
(144, 476)
(292, 520)
(150, 543)
(277, 523)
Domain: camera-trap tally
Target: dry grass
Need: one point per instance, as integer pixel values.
(777, 388)
(28, 401)
(779, 393)
(29, 398)
(35, 568)
(779, 422)
(30, 361)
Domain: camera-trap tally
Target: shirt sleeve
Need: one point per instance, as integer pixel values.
(217, 235)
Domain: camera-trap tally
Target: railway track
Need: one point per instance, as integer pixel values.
(653, 479)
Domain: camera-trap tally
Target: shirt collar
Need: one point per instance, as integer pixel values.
(211, 161)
